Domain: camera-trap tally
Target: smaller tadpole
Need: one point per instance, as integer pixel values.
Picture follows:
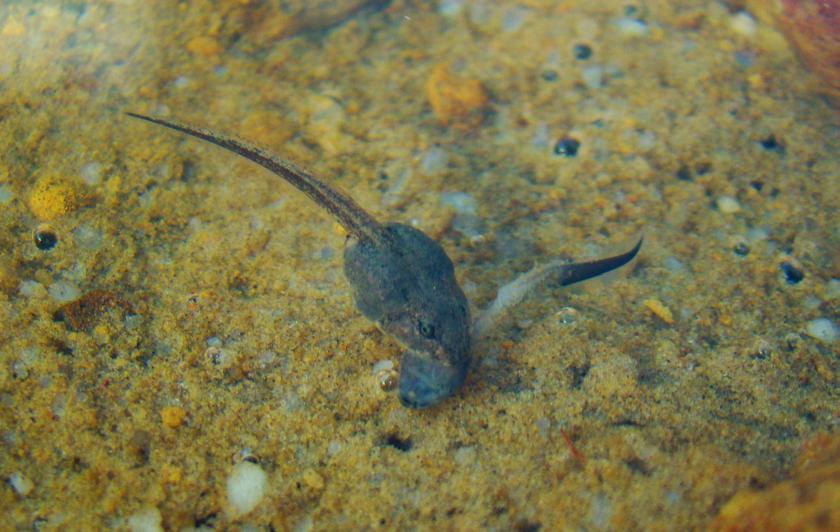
(515, 291)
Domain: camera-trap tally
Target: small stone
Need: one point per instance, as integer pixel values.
(388, 380)
(434, 160)
(313, 479)
(743, 24)
(455, 99)
(91, 173)
(173, 416)
(824, 330)
(22, 485)
(567, 147)
(741, 249)
(659, 310)
(567, 315)
(593, 77)
(204, 46)
(832, 289)
(246, 487)
(631, 27)
(45, 237)
(146, 520)
(792, 274)
(64, 291)
(728, 205)
(582, 52)
(6, 195)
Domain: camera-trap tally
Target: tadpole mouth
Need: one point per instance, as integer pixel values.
(425, 381)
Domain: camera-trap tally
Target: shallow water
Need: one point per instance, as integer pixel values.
(193, 313)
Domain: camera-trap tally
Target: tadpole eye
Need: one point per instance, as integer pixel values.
(426, 330)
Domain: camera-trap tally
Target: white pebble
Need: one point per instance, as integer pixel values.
(593, 77)
(63, 291)
(246, 486)
(513, 18)
(383, 365)
(541, 137)
(743, 24)
(92, 173)
(631, 27)
(88, 237)
(450, 8)
(31, 288)
(824, 330)
(728, 205)
(434, 160)
(462, 202)
(22, 485)
(146, 520)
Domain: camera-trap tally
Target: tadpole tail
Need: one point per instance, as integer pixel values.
(355, 219)
(581, 271)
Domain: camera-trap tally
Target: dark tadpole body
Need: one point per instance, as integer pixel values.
(401, 279)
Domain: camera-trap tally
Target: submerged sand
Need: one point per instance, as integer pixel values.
(193, 313)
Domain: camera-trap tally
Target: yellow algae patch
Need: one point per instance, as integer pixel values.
(204, 46)
(51, 199)
(455, 99)
(173, 416)
(659, 310)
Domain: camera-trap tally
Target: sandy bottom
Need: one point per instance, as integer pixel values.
(192, 312)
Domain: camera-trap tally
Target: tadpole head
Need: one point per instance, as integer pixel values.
(426, 380)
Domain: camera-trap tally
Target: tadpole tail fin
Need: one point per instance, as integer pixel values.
(355, 219)
(581, 271)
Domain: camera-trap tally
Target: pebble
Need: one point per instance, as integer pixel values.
(434, 160)
(91, 173)
(146, 520)
(631, 27)
(743, 24)
(593, 77)
(64, 292)
(6, 195)
(728, 204)
(31, 288)
(461, 202)
(313, 479)
(567, 315)
(87, 237)
(383, 365)
(567, 147)
(741, 249)
(792, 274)
(824, 330)
(246, 486)
(514, 18)
(450, 8)
(832, 289)
(173, 416)
(45, 237)
(22, 485)
(582, 52)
